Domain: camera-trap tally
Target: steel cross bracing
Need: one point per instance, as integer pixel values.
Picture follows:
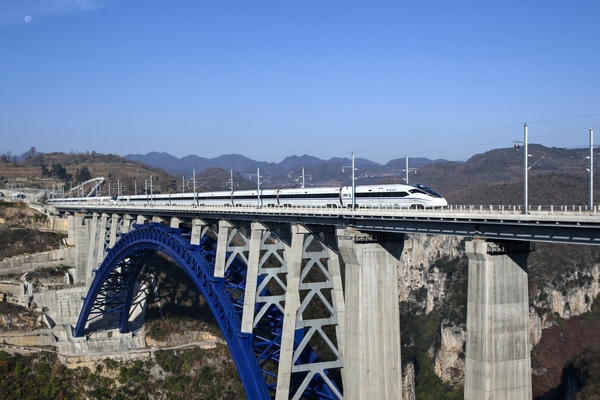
(313, 288)
(302, 353)
(309, 343)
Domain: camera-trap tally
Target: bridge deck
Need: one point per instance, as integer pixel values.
(545, 224)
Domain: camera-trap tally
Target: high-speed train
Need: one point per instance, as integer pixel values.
(396, 195)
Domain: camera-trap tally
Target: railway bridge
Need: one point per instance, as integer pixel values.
(307, 297)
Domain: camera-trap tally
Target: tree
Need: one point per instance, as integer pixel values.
(83, 174)
(60, 172)
(45, 170)
(31, 152)
(6, 157)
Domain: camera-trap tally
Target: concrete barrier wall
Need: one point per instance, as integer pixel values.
(13, 288)
(91, 361)
(63, 305)
(35, 338)
(31, 262)
(57, 224)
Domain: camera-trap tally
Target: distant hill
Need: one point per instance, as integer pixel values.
(318, 171)
(117, 171)
(556, 175)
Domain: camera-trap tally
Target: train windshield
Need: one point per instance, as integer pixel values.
(427, 190)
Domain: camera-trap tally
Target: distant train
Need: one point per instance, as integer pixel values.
(397, 195)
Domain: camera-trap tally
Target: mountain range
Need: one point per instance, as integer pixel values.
(290, 166)
(557, 175)
(240, 163)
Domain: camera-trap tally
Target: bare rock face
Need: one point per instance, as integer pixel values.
(204, 339)
(408, 382)
(417, 281)
(569, 295)
(423, 284)
(577, 299)
(15, 318)
(449, 361)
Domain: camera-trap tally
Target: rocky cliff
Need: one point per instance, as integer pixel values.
(562, 285)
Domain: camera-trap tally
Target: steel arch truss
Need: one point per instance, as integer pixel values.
(255, 288)
(112, 290)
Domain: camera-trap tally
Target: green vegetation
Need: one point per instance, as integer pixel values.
(187, 374)
(215, 375)
(584, 374)
(57, 171)
(83, 174)
(421, 333)
(177, 305)
(14, 242)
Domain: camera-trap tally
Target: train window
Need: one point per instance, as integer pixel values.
(310, 196)
(382, 194)
(428, 190)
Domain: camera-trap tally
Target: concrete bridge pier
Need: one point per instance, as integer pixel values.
(313, 280)
(79, 237)
(498, 361)
(372, 363)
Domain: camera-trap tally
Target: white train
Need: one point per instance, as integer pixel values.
(398, 195)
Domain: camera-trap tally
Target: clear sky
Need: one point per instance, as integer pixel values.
(270, 79)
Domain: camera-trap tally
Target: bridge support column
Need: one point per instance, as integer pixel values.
(372, 363)
(313, 280)
(100, 227)
(264, 249)
(127, 225)
(199, 229)
(71, 230)
(116, 222)
(232, 240)
(92, 248)
(81, 241)
(498, 362)
(175, 222)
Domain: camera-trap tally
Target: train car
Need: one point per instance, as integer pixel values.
(404, 196)
(397, 195)
(83, 200)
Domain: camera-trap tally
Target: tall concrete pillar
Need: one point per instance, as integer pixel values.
(116, 223)
(231, 239)
(372, 363)
(222, 243)
(498, 362)
(127, 225)
(82, 240)
(199, 229)
(102, 239)
(71, 231)
(311, 283)
(252, 275)
(92, 248)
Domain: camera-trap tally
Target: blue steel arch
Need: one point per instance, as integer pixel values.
(112, 291)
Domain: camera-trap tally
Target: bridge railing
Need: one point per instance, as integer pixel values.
(541, 210)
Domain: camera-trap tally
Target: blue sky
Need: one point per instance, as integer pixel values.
(270, 79)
